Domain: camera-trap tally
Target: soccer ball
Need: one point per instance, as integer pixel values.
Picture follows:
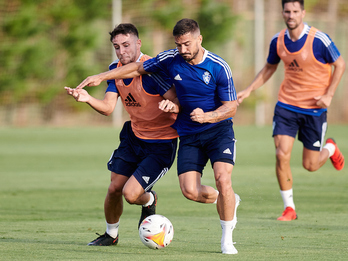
(156, 231)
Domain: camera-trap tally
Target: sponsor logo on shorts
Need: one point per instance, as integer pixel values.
(146, 179)
(130, 101)
(227, 151)
(316, 144)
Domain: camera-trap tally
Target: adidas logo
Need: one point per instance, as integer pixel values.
(227, 151)
(146, 179)
(130, 101)
(293, 66)
(177, 77)
(316, 144)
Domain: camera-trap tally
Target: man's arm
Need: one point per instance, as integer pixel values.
(260, 79)
(170, 102)
(339, 68)
(127, 71)
(227, 110)
(105, 106)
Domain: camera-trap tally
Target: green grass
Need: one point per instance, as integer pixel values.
(53, 183)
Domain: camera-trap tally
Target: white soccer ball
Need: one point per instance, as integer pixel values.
(156, 231)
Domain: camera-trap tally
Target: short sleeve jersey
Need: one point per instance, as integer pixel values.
(204, 85)
(324, 51)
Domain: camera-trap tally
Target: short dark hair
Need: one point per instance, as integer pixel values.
(293, 1)
(124, 29)
(185, 26)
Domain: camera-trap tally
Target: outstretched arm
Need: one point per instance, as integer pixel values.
(127, 71)
(227, 110)
(339, 68)
(260, 79)
(105, 106)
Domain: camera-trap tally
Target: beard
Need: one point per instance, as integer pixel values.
(293, 27)
(193, 56)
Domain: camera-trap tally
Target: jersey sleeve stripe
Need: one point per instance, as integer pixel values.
(227, 69)
(324, 38)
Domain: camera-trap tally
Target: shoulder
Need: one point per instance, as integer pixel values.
(217, 60)
(169, 54)
(323, 38)
(113, 65)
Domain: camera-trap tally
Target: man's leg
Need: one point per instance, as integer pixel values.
(113, 208)
(227, 204)
(192, 189)
(284, 145)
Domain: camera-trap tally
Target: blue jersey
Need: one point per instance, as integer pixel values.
(203, 85)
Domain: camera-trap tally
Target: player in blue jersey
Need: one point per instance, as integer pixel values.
(147, 142)
(304, 96)
(207, 97)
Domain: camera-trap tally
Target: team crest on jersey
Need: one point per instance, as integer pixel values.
(206, 77)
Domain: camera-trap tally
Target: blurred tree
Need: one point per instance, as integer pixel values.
(46, 45)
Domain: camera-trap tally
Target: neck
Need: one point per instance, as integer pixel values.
(295, 33)
(198, 58)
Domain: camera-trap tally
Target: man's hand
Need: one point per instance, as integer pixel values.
(168, 106)
(198, 115)
(323, 101)
(93, 80)
(242, 95)
(79, 95)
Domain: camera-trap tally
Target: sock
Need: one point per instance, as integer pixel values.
(216, 197)
(152, 199)
(112, 229)
(227, 229)
(288, 198)
(331, 148)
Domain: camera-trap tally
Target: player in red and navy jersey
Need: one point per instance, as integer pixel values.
(207, 97)
(304, 96)
(147, 142)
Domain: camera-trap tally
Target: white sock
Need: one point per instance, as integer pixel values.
(331, 148)
(152, 198)
(112, 229)
(227, 229)
(216, 197)
(288, 198)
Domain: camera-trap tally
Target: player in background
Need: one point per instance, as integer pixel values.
(207, 97)
(147, 142)
(304, 96)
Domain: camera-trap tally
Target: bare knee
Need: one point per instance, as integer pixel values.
(130, 196)
(224, 184)
(310, 166)
(190, 193)
(114, 190)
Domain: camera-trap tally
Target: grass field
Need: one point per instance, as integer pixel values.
(53, 183)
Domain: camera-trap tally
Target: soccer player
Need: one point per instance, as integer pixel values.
(147, 142)
(304, 96)
(207, 97)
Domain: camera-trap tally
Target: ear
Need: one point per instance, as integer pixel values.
(139, 43)
(200, 39)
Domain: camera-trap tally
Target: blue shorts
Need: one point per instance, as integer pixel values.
(216, 143)
(147, 162)
(311, 129)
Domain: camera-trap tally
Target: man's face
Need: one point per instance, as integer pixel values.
(127, 47)
(293, 15)
(188, 45)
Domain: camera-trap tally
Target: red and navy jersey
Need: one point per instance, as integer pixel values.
(204, 85)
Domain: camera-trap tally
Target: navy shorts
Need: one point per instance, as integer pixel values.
(311, 129)
(146, 161)
(216, 143)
